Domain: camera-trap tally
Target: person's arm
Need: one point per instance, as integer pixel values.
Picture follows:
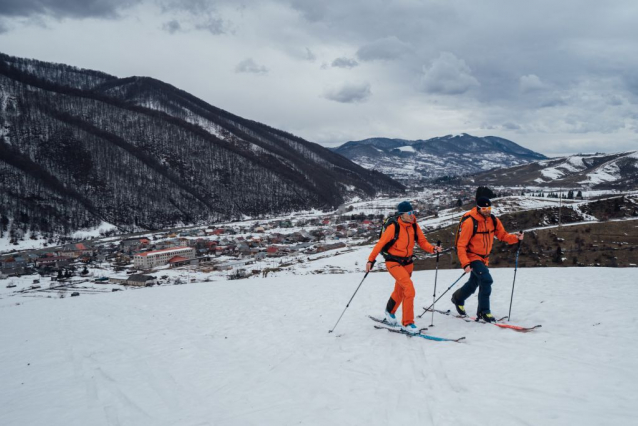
(387, 235)
(502, 234)
(464, 240)
(422, 241)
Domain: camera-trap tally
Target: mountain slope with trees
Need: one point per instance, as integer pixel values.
(80, 147)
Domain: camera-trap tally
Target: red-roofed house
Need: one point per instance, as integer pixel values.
(76, 250)
(178, 261)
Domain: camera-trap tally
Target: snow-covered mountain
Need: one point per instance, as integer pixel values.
(597, 171)
(193, 355)
(80, 147)
(450, 155)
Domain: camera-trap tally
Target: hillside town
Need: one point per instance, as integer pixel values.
(228, 251)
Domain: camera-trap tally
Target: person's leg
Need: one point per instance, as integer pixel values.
(408, 296)
(467, 289)
(485, 281)
(403, 291)
(397, 295)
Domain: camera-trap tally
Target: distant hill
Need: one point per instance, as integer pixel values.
(78, 147)
(596, 171)
(450, 155)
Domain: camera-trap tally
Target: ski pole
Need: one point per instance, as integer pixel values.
(513, 282)
(436, 273)
(448, 289)
(355, 292)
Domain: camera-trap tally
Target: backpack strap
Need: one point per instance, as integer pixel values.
(494, 221)
(391, 221)
(474, 227)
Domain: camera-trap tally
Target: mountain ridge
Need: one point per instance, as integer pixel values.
(450, 155)
(595, 171)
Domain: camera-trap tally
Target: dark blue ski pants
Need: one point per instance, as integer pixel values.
(479, 278)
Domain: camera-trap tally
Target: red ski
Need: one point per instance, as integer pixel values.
(498, 324)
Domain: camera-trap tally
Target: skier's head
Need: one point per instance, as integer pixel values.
(406, 211)
(484, 206)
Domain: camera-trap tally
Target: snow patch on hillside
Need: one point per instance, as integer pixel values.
(98, 231)
(552, 173)
(610, 172)
(406, 149)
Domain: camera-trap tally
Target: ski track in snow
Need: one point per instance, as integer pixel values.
(258, 352)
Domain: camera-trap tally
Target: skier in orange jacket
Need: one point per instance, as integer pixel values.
(476, 235)
(398, 260)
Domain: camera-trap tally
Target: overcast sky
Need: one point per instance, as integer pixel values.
(555, 77)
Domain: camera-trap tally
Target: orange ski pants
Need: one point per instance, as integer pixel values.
(403, 290)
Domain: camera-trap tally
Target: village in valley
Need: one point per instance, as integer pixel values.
(299, 243)
(227, 251)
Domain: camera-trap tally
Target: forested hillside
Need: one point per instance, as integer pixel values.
(79, 147)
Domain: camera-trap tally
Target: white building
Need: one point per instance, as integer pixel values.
(150, 259)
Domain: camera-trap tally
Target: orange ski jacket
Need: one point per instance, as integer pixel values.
(478, 247)
(404, 245)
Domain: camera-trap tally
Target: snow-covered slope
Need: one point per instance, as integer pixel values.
(600, 171)
(449, 155)
(257, 352)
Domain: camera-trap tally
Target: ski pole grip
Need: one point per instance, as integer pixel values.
(438, 244)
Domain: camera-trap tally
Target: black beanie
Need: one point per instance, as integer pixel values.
(404, 207)
(483, 202)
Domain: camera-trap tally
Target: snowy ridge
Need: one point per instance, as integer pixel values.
(442, 156)
(599, 171)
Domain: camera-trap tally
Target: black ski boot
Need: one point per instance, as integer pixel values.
(485, 316)
(459, 307)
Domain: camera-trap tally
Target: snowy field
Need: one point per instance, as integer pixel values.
(257, 352)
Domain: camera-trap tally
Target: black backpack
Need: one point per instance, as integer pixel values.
(390, 220)
(475, 228)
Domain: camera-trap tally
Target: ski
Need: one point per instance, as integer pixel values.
(397, 329)
(386, 323)
(465, 318)
(425, 336)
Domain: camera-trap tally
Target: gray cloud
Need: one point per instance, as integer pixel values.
(385, 49)
(511, 126)
(172, 26)
(301, 53)
(250, 66)
(530, 83)
(312, 10)
(194, 7)
(344, 63)
(448, 75)
(200, 15)
(536, 65)
(64, 8)
(349, 93)
(211, 24)
(310, 56)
